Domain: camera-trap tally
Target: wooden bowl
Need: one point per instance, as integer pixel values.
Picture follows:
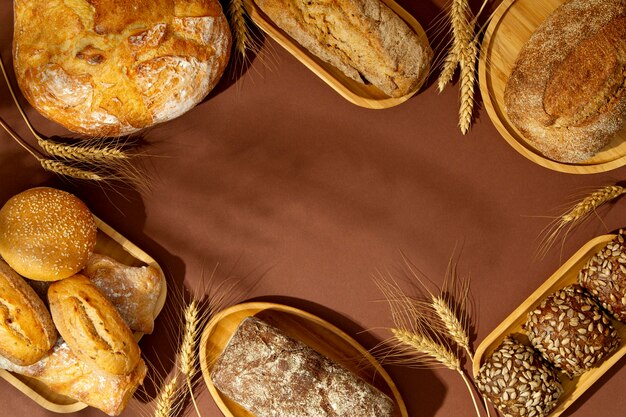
(320, 335)
(566, 275)
(512, 24)
(362, 95)
(112, 244)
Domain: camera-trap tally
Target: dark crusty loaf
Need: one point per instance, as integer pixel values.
(571, 331)
(517, 380)
(364, 39)
(271, 374)
(567, 92)
(604, 276)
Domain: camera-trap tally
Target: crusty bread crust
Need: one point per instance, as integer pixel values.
(364, 39)
(567, 91)
(113, 67)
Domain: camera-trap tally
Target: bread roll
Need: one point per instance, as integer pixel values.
(26, 328)
(92, 327)
(271, 374)
(364, 39)
(46, 234)
(567, 92)
(134, 291)
(113, 67)
(63, 373)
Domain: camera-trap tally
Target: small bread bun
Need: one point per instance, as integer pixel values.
(26, 328)
(46, 234)
(92, 327)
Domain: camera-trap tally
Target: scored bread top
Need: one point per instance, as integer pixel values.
(112, 67)
(567, 90)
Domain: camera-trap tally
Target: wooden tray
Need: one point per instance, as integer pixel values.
(362, 95)
(567, 274)
(511, 26)
(112, 244)
(315, 332)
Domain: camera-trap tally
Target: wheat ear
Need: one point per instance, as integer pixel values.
(166, 399)
(458, 16)
(93, 153)
(578, 214)
(61, 168)
(455, 328)
(240, 29)
(447, 71)
(468, 85)
(188, 348)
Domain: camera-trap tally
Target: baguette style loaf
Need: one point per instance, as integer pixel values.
(92, 327)
(364, 39)
(113, 67)
(27, 332)
(567, 91)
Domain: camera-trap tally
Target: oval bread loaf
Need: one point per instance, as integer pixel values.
(26, 328)
(567, 91)
(113, 67)
(92, 327)
(46, 234)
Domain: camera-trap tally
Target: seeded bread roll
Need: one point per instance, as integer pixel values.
(571, 331)
(518, 382)
(92, 327)
(134, 291)
(604, 276)
(26, 328)
(567, 92)
(271, 374)
(364, 39)
(46, 234)
(113, 67)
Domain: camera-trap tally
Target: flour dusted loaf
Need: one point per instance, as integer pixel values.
(364, 39)
(271, 374)
(113, 67)
(567, 91)
(46, 234)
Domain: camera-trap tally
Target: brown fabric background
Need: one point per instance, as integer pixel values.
(281, 182)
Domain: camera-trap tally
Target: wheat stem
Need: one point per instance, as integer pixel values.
(165, 400)
(471, 391)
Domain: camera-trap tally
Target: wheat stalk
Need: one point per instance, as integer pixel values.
(578, 213)
(166, 399)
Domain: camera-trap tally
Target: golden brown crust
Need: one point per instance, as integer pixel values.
(567, 91)
(92, 327)
(26, 328)
(113, 67)
(46, 234)
(364, 39)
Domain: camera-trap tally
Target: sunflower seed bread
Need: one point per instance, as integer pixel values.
(567, 91)
(518, 382)
(271, 374)
(364, 39)
(604, 277)
(571, 331)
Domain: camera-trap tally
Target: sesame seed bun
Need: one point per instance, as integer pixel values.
(46, 234)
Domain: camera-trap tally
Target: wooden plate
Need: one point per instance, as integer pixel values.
(360, 94)
(112, 244)
(313, 331)
(567, 274)
(511, 26)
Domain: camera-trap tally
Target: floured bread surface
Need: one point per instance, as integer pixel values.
(364, 39)
(271, 374)
(567, 91)
(113, 67)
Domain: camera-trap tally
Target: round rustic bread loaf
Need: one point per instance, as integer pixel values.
(518, 382)
(567, 92)
(571, 331)
(113, 67)
(604, 277)
(46, 234)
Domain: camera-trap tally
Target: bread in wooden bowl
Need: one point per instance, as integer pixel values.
(113, 67)
(567, 91)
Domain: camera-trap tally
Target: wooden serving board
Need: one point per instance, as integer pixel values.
(320, 335)
(566, 275)
(112, 244)
(362, 95)
(512, 24)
